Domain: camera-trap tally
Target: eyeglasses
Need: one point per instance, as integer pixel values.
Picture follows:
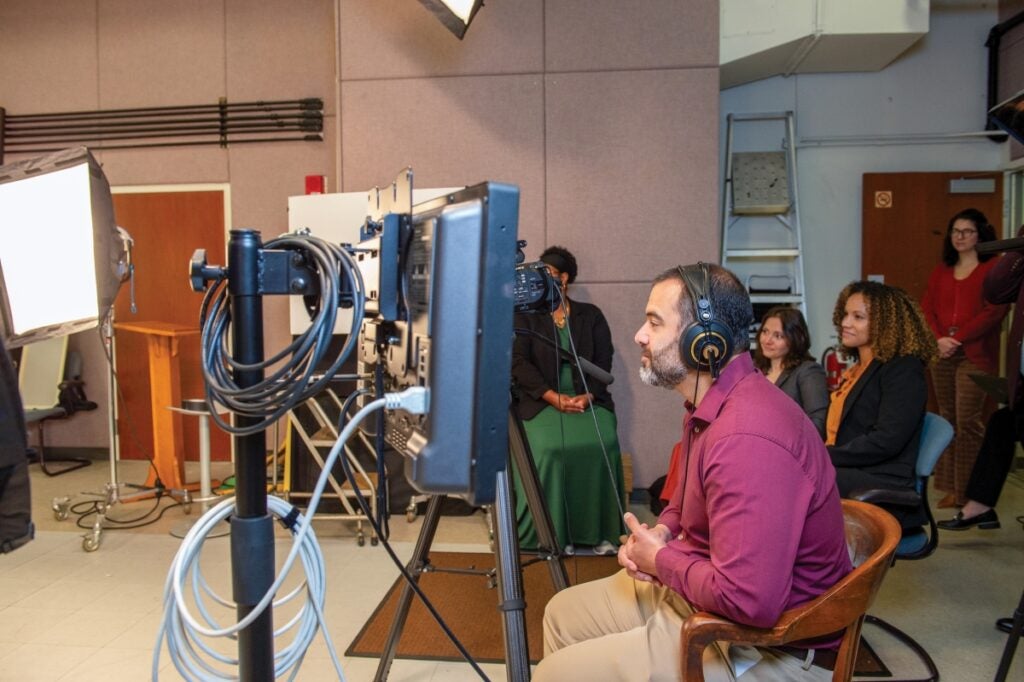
(964, 233)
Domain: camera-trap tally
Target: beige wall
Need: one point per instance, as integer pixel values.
(604, 113)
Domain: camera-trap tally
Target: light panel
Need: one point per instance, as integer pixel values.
(455, 14)
(47, 257)
(60, 249)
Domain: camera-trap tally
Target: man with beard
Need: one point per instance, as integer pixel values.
(755, 526)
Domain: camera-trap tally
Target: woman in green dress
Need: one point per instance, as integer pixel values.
(569, 420)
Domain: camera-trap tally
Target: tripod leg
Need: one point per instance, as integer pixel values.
(1011, 642)
(420, 557)
(522, 460)
(510, 584)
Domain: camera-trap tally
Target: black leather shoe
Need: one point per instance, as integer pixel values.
(985, 520)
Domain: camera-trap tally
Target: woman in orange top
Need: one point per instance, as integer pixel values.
(873, 427)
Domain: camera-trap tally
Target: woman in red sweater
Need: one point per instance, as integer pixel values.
(967, 331)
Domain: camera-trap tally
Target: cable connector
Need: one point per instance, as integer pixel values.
(415, 399)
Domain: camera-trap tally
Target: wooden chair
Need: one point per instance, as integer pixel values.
(872, 535)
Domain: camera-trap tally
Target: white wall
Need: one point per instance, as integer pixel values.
(938, 86)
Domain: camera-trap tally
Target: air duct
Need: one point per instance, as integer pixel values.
(765, 38)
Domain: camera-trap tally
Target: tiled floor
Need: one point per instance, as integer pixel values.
(66, 614)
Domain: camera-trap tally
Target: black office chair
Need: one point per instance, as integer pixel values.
(50, 381)
(936, 433)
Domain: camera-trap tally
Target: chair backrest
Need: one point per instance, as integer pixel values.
(936, 433)
(871, 535)
(41, 371)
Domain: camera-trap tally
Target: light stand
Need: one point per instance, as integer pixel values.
(251, 273)
(252, 529)
(114, 492)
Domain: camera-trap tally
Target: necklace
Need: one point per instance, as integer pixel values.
(560, 319)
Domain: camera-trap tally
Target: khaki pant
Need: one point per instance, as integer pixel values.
(621, 629)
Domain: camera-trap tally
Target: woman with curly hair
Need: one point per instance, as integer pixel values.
(782, 356)
(966, 328)
(874, 421)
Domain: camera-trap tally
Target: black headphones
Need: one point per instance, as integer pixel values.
(706, 343)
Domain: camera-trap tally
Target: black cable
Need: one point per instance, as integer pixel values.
(597, 429)
(364, 507)
(293, 380)
(561, 433)
(383, 528)
(91, 507)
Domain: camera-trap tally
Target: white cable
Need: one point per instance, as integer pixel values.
(185, 632)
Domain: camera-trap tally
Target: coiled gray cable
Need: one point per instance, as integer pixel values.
(184, 631)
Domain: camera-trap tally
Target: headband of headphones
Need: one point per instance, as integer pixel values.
(705, 344)
(696, 280)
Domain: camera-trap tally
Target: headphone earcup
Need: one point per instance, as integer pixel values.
(704, 345)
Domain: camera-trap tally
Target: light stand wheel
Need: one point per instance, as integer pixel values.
(61, 506)
(91, 541)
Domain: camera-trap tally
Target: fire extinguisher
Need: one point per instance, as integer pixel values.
(834, 365)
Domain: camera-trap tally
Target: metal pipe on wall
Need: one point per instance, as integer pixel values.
(222, 123)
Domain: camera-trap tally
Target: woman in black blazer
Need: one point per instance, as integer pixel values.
(569, 419)
(874, 422)
(782, 355)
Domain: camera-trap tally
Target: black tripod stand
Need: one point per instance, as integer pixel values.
(506, 556)
(1016, 628)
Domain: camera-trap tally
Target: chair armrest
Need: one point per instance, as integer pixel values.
(702, 628)
(879, 496)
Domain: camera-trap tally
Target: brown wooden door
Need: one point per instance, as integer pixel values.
(166, 228)
(904, 222)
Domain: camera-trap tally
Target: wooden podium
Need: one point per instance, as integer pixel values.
(165, 390)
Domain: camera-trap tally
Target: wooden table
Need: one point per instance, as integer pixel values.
(165, 391)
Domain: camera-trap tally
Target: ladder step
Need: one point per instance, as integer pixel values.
(763, 253)
(776, 298)
(760, 188)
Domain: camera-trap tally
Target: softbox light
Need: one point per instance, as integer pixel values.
(62, 256)
(455, 14)
(1009, 116)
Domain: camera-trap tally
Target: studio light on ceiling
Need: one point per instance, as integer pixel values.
(1009, 116)
(455, 14)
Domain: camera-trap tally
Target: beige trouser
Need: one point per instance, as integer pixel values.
(621, 629)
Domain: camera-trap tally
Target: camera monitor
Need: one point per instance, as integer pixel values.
(452, 334)
(60, 249)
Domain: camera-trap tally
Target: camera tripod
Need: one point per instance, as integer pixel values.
(507, 571)
(1016, 630)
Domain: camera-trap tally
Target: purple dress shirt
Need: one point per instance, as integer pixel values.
(757, 521)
